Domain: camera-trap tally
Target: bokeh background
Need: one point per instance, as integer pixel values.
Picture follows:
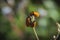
(13, 15)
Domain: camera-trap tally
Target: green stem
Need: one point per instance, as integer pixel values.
(35, 33)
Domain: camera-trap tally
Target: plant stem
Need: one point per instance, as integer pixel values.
(35, 33)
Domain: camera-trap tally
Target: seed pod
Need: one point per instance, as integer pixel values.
(27, 21)
(30, 20)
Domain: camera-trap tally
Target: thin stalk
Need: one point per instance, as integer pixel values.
(35, 33)
(58, 25)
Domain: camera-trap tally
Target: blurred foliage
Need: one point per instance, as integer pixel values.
(46, 25)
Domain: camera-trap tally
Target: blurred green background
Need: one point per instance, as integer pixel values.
(46, 24)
